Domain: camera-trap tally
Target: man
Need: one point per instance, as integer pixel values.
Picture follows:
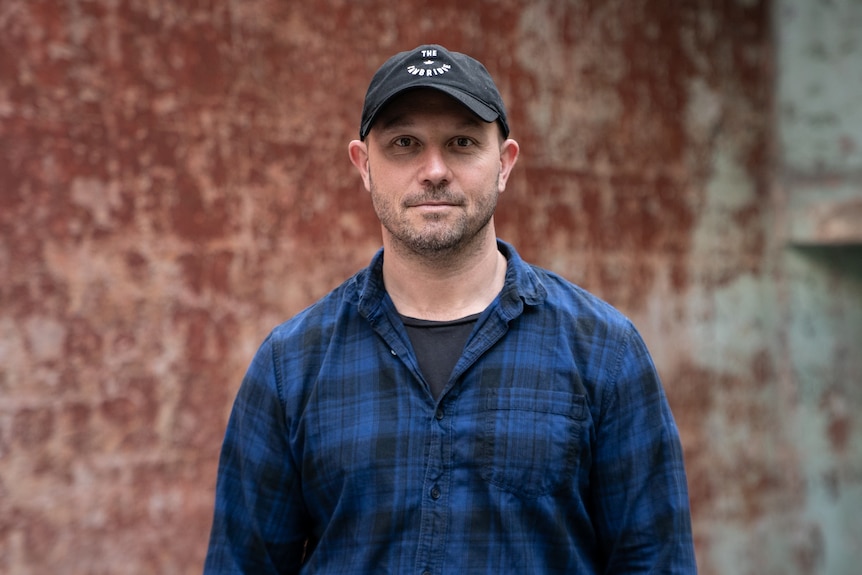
(450, 408)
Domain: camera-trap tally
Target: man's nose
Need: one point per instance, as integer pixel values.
(435, 169)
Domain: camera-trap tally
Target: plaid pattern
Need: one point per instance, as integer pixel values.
(552, 449)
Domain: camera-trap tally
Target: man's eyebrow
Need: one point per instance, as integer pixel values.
(396, 121)
(471, 122)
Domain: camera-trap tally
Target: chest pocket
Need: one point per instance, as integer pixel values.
(531, 439)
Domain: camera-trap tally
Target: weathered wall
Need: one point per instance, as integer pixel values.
(819, 231)
(174, 182)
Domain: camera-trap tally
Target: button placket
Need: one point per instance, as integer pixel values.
(434, 515)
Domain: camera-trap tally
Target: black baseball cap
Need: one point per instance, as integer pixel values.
(433, 66)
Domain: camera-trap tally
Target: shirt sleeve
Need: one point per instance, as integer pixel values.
(258, 519)
(641, 496)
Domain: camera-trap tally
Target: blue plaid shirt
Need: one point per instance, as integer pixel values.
(551, 450)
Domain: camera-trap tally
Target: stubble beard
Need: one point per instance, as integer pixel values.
(439, 236)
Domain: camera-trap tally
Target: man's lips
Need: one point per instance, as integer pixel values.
(433, 208)
(432, 203)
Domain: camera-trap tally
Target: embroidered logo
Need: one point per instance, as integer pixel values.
(429, 66)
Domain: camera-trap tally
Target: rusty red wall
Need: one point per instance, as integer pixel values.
(174, 181)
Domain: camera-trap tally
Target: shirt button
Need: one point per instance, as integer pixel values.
(439, 414)
(435, 492)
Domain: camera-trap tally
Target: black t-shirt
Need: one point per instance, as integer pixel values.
(438, 346)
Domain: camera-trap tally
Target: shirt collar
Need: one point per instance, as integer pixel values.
(522, 284)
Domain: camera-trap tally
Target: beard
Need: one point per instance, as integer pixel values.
(434, 234)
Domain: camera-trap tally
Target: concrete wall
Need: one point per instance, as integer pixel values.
(818, 225)
(174, 182)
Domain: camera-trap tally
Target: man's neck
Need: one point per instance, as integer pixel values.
(442, 289)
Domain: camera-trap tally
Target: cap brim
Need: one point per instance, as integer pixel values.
(482, 110)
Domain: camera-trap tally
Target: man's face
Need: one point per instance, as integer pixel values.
(434, 171)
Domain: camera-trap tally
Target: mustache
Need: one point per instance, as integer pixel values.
(439, 193)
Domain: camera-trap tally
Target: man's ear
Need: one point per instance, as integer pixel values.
(358, 152)
(508, 156)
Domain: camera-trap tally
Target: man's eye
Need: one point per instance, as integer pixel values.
(403, 142)
(463, 142)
